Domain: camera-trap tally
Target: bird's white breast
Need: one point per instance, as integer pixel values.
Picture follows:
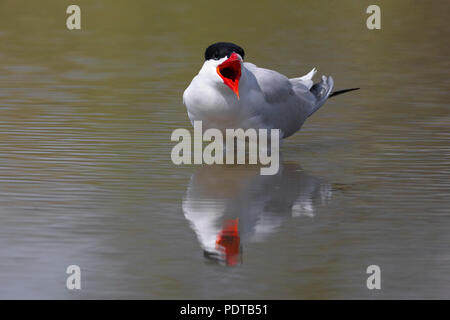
(211, 104)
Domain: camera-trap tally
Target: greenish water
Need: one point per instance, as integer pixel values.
(86, 176)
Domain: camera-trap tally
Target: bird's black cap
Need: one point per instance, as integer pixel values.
(219, 50)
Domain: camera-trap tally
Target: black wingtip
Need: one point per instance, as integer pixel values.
(336, 93)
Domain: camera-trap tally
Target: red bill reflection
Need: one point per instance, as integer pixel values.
(228, 241)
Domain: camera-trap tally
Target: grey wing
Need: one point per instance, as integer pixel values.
(275, 87)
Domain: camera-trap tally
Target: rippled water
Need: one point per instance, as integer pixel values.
(86, 176)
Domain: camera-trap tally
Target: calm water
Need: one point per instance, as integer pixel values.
(86, 176)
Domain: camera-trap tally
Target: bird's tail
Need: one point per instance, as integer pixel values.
(336, 93)
(321, 92)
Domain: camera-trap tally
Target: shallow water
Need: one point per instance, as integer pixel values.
(86, 176)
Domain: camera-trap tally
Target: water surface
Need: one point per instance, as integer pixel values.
(86, 176)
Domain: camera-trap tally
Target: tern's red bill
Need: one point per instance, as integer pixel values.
(230, 72)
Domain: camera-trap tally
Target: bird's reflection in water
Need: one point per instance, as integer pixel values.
(230, 205)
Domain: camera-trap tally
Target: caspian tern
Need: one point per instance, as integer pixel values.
(229, 93)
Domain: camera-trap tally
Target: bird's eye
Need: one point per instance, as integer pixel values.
(216, 56)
